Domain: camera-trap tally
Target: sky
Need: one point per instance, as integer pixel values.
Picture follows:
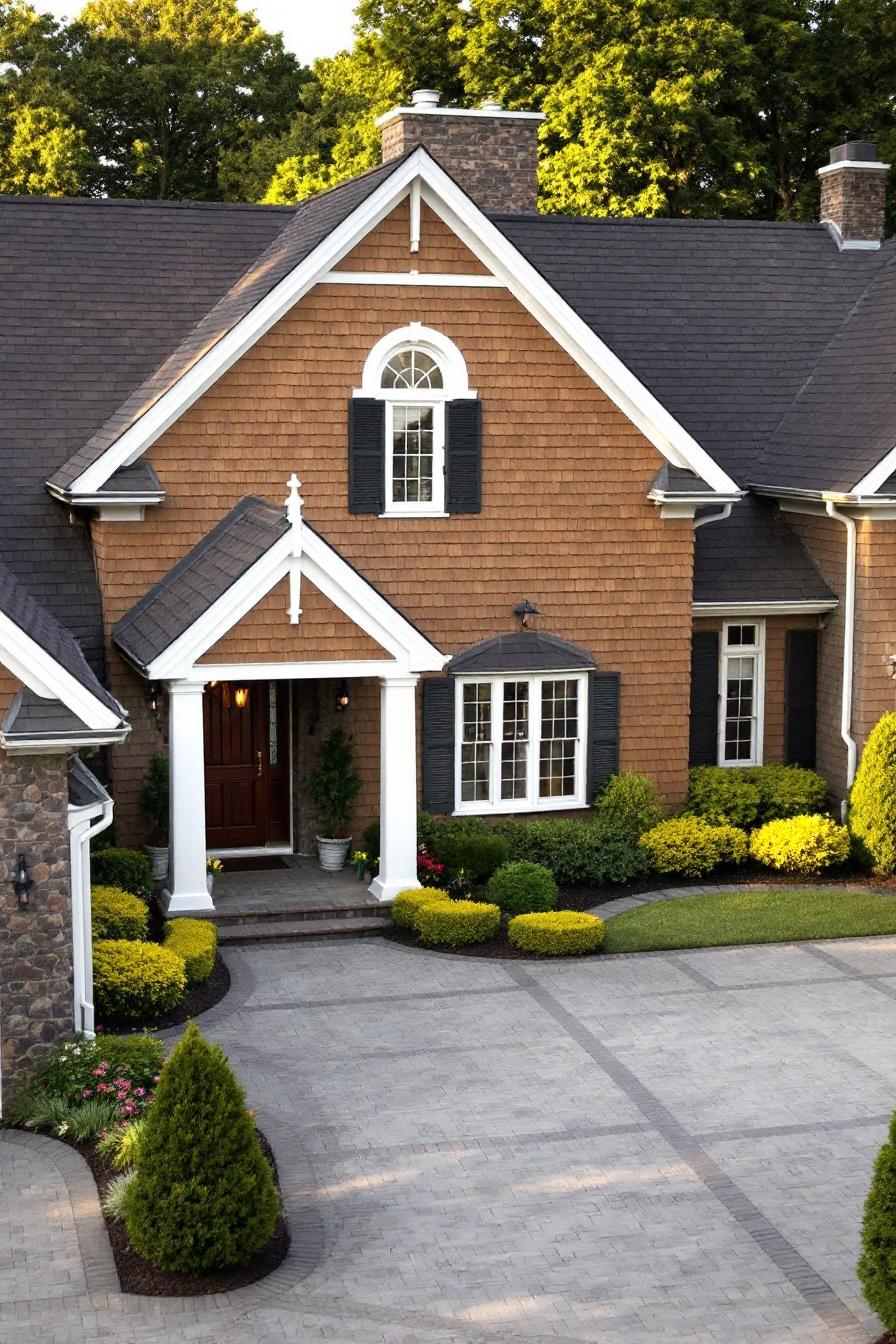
(310, 27)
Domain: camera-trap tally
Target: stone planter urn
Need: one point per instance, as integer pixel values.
(158, 857)
(332, 853)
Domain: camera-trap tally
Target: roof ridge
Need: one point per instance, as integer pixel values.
(656, 220)
(133, 202)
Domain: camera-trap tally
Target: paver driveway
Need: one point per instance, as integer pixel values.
(667, 1147)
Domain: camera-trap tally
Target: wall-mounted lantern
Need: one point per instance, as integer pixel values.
(241, 697)
(22, 883)
(343, 699)
(525, 613)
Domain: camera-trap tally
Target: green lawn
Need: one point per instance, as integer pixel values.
(780, 915)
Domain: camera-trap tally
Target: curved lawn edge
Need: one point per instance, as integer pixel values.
(744, 915)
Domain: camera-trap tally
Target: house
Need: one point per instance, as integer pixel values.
(516, 499)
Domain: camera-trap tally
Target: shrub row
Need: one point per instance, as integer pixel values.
(195, 941)
(752, 795)
(689, 846)
(127, 869)
(135, 981)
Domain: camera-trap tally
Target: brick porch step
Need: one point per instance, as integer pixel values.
(289, 911)
(282, 930)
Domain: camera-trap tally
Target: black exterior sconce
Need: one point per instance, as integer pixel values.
(343, 699)
(22, 883)
(524, 613)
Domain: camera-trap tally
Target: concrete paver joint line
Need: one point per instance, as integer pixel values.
(814, 1289)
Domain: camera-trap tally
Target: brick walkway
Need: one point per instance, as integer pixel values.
(670, 1147)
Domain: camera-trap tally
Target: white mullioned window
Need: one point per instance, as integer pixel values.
(520, 742)
(742, 685)
(415, 371)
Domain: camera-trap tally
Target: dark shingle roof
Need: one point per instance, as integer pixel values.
(679, 481)
(83, 786)
(526, 651)
(36, 622)
(137, 479)
(32, 715)
(309, 225)
(723, 321)
(844, 419)
(94, 295)
(753, 556)
(199, 579)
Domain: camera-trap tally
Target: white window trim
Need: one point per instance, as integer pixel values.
(532, 802)
(455, 386)
(726, 652)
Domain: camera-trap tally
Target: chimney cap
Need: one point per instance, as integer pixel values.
(854, 151)
(491, 105)
(426, 97)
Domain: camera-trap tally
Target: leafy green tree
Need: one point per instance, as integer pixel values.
(203, 1196)
(171, 91)
(877, 1264)
(508, 52)
(872, 798)
(423, 39)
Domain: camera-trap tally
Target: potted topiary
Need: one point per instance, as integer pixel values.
(332, 786)
(154, 806)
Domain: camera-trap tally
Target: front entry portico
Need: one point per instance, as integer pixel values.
(176, 636)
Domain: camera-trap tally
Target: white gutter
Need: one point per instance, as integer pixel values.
(719, 517)
(849, 627)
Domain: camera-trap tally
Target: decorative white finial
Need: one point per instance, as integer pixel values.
(294, 502)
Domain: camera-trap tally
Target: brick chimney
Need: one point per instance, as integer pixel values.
(852, 194)
(491, 153)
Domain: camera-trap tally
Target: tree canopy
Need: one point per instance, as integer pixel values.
(653, 107)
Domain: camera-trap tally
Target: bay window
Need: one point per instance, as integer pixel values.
(520, 742)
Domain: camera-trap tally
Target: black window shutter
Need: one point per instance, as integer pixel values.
(800, 685)
(366, 455)
(603, 729)
(463, 457)
(704, 746)
(438, 744)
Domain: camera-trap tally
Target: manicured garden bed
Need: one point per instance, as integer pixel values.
(731, 919)
(197, 999)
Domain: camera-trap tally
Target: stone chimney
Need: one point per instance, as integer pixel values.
(852, 194)
(491, 153)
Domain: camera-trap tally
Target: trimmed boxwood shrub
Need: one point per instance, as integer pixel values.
(877, 1264)
(578, 852)
(803, 845)
(750, 796)
(407, 903)
(690, 847)
(630, 804)
(468, 845)
(872, 799)
(455, 923)
(127, 869)
(521, 887)
(134, 981)
(559, 933)
(203, 1196)
(117, 914)
(195, 941)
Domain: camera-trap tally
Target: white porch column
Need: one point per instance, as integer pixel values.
(398, 788)
(187, 891)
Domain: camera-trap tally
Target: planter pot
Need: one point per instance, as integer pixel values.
(158, 855)
(209, 882)
(332, 853)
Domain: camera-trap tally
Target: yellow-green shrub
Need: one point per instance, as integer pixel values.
(407, 903)
(455, 923)
(872, 799)
(134, 981)
(557, 933)
(117, 914)
(195, 941)
(689, 846)
(803, 845)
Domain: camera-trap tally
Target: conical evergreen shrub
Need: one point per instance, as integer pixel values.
(204, 1196)
(877, 1263)
(872, 800)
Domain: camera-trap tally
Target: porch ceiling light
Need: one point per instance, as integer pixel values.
(524, 613)
(343, 699)
(241, 697)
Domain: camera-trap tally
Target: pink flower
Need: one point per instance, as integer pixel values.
(87, 1092)
(140, 1091)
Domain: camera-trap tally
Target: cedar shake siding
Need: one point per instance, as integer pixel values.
(565, 520)
(874, 692)
(264, 635)
(9, 689)
(386, 247)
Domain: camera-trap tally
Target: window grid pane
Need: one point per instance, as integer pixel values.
(478, 712)
(475, 772)
(740, 718)
(412, 368)
(412, 454)
(559, 739)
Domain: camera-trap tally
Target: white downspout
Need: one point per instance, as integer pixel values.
(81, 833)
(724, 512)
(849, 629)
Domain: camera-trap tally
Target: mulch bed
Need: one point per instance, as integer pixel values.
(197, 1000)
(137, 1275)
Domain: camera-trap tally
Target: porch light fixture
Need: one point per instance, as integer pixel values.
(22, 883)
(524, 613)
(241, 697)
(891, 666)
(343, 699)
(152, 697)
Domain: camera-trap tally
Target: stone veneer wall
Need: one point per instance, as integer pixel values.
(35, 943)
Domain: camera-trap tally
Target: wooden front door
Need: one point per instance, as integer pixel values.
(246, 764)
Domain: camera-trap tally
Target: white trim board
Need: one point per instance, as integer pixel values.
(491, 247)
(749, 609)
(333, 577)
(412, 278)
(202, 673)
(33, 666)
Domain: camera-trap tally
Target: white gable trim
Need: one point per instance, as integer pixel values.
(495, 251)
(329, 573)
(31, 664)
(874, 479)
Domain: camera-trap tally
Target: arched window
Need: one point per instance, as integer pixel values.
(415, 373)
